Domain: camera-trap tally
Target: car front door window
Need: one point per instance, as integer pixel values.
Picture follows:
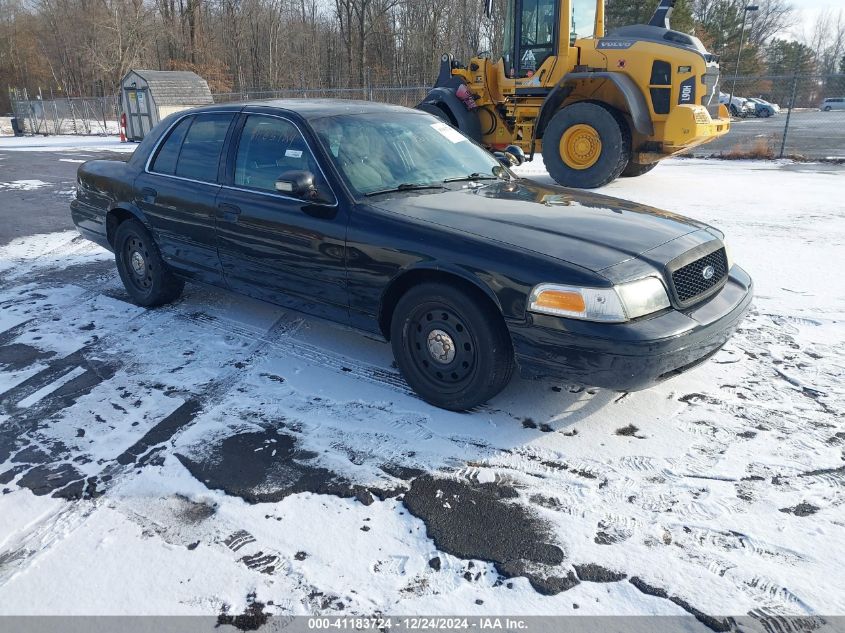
(270, 147)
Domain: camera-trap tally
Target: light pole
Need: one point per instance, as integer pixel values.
(748, 9)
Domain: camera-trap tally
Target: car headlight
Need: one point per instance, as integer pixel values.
(607, 305)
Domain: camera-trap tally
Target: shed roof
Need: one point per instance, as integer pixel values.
(175, 87)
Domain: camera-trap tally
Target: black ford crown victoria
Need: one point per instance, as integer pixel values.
(389, 221)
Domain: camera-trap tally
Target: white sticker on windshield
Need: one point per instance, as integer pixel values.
(294, 153)
(449, 132)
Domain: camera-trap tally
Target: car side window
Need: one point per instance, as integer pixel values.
(168, 153)
(269, 147)
(200, 154)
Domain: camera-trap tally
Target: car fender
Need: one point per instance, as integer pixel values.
(132, 209)
(445, 269)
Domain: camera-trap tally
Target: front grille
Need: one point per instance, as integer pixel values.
(690, 282)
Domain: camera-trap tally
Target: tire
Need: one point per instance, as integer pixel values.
(449, 347)
(637, 169)
(827, 109)
(144, 274)
(437, 111)
(765, 114)
(596, 141)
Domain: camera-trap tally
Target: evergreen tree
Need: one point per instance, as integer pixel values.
(624, 12)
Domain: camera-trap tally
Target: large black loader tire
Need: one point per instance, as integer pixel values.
(436, 110)
(637, 169)
(586, 145)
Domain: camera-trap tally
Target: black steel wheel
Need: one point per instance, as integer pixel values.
(449, 347)
(144, 274)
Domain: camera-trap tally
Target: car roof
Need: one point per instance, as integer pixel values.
(311, 109)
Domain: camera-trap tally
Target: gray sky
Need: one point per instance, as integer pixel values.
(808, 11)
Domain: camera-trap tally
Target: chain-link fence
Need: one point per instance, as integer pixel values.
(88, 116)
(774, 116)
(405, 96)
(100, 115)
(799, 116)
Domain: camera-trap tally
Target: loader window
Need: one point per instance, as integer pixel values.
(537, 28)
(583, 18)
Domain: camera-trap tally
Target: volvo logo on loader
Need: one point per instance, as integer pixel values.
(597, 105)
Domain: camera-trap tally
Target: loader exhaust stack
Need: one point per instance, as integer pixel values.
(663, 14)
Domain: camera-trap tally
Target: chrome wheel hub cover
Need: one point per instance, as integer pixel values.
(139, 265)
(441, 347)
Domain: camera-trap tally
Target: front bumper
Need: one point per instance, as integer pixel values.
(636, 355)
(691, 125)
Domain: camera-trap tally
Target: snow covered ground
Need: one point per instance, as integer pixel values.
(221, 454)
(64, 143)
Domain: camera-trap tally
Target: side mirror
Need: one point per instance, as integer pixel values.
(297, 183)
(516, 152)
(503, 158)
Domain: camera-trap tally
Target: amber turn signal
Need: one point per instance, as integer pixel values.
(560, 300)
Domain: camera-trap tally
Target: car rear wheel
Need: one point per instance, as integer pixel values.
(827, 109)
(586, 145)
(449, 347)
(144, 274)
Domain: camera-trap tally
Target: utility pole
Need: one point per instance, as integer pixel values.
(748, 9)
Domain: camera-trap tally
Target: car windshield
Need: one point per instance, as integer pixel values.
(381, 152)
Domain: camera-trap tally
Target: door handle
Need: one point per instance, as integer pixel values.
(228, 212)
(148, 194)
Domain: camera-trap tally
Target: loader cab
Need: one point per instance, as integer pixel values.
(532, 31)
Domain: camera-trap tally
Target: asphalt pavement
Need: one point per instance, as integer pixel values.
(812, 134)
(36, 189)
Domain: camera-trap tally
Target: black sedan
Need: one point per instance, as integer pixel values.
(388, 220)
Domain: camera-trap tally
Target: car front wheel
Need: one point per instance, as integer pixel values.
(144, 274)
(449, 347)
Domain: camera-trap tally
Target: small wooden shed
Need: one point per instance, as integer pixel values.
(148, 96)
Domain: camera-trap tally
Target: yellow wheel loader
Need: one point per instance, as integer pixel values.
(597, 106)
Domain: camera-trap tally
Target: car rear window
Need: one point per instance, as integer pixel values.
(168, 153)
(201, 149)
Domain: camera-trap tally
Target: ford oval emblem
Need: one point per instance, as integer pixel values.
(708, 273)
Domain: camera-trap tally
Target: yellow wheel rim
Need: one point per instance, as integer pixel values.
(580, 146)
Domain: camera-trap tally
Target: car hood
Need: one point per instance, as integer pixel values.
(580, 227)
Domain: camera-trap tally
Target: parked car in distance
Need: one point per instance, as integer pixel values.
(833, 103)
(763, 108)
(738, 107)
(389, 221)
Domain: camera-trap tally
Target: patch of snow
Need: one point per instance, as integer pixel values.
(690, 485)
(66, 143)
(23, 185)
(23, 255)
